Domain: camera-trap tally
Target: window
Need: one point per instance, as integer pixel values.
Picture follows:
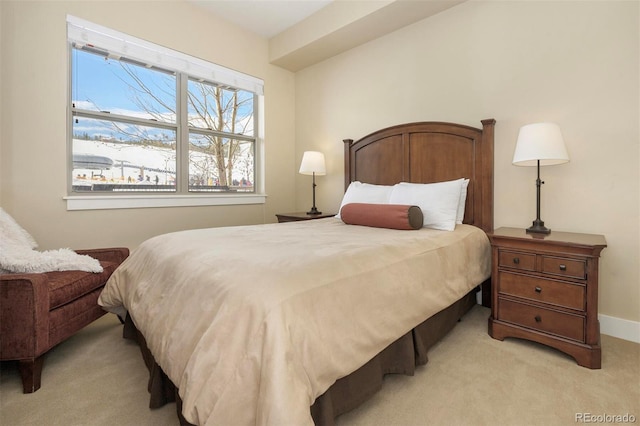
(147, 121)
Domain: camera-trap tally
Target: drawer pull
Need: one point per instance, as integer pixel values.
(516, 260)
(563, 267)
(538, 318)
(538, 289)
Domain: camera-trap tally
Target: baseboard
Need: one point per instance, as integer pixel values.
(620, 328)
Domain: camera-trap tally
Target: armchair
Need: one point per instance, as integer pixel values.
(40, 310)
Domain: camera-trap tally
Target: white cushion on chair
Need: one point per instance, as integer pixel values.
(17, 254)
(14, 234)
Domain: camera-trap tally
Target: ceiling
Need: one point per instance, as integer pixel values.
(264, 17)
(304, 32)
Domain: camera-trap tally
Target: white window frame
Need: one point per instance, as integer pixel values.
(84, 32)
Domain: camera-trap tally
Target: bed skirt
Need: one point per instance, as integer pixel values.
(401, 357)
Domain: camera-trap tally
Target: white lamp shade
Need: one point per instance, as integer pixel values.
(313, 162)
(540, 142)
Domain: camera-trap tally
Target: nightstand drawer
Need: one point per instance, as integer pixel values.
(548, 291)
(512, 259)
(545, 320)
(564, 267)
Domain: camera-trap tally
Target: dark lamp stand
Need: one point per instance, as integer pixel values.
(538, 225)
(314, 209)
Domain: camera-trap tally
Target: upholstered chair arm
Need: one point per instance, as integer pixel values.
(24, 315)
(114, 254)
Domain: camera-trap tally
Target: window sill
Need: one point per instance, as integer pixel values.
(101, 202)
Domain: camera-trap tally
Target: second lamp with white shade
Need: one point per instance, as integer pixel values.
(313, 164)
(540, 144)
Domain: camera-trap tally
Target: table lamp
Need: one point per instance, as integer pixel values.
(313, 164)
(539, 144)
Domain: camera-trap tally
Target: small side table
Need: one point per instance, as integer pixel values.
(298, 216)
(545, 289)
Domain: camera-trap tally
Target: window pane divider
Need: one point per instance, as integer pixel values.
(103, 115)
(234, 136)
(182, 135)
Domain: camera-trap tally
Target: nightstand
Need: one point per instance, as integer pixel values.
(297, 216)
(545, 289)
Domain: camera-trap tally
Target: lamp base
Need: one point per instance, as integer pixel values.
(538, 228)
(314, 211)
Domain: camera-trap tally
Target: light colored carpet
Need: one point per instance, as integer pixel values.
(98, 378)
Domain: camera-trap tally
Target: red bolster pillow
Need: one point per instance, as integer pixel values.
(392, 216)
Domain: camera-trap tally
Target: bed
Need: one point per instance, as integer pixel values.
(296, 323)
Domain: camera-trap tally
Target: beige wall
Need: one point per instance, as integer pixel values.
(33, 99)
(574, 63)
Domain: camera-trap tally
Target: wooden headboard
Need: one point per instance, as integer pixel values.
(428, 152)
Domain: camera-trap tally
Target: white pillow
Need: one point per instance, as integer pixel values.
(438, 201)
(18, 254)
(463, 200)
(359, 192)
(14, 234)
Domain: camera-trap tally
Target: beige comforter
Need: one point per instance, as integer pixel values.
(253, 323)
